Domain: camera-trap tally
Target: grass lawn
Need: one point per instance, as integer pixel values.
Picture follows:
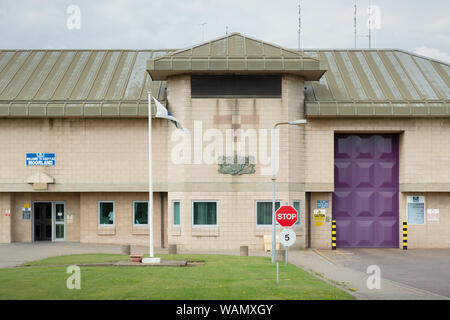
(220, 277)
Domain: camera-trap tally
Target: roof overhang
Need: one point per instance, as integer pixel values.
(162, 74)
(364, 109)
(235, 54)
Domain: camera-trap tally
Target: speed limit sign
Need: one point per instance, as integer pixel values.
(287, 237)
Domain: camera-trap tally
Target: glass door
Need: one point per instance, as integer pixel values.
(59, 224)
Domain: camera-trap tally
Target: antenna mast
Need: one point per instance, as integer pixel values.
(354, 27)
(299, 24)
(370, 24)
(203, 30)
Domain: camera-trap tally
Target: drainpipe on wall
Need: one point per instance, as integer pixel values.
(162, 220)
(308, 210)
(308, 194)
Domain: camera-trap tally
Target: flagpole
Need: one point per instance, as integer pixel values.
(152, 258)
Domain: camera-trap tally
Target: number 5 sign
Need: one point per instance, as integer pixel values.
(287, 237)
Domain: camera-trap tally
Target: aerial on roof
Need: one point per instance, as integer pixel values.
(114, 83)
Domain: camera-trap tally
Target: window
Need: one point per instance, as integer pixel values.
(236, 86)
(204, 213)
(176, 213)
(264, 212)
(140, 213)
(296, 206)
(106, 213)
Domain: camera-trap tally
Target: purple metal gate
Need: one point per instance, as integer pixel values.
(365, 198)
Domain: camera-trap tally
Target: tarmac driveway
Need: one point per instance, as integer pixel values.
(15, 254)
(426, 269)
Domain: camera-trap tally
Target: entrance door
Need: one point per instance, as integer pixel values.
(42, 221)
(59, 218)
(365, 198)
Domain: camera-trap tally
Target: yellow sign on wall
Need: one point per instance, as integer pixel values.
(319, 217)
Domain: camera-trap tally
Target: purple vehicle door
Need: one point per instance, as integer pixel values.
(365, 198)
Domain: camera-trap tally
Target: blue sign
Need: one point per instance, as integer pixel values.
(321, 204)
(40, 159)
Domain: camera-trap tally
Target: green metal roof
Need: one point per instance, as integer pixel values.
(378, 83)
(235, 53)
(59, 83)
(114, 83)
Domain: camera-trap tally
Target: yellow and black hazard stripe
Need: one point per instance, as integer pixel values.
(333, 235)
(405, 235)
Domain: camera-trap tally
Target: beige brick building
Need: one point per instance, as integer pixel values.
(375, 150)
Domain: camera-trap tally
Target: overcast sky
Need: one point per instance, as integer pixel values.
(413, 25)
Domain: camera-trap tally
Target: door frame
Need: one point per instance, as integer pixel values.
(53, 203)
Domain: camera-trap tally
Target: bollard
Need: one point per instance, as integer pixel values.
(244, 250)
(172, 249)
(333, 235)
(126, 249)
(405, 235)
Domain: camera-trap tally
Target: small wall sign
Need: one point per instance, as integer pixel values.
(415, 210)
(433, 215)
(26, 214)
(319, 217)
(69, 216)
(40, 159)
(7, 213)
(323, 204)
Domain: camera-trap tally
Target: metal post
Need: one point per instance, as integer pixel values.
(150, 177)
(278, 273)
(273, 196)
(370, 25)
(152, 258)
(274, 178)
(287, 251)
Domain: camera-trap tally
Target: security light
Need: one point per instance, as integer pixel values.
(298, 122)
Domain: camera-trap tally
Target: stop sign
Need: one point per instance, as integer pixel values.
(286, 216)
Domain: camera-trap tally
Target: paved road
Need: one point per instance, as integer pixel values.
(427, 269)
(17, 253)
